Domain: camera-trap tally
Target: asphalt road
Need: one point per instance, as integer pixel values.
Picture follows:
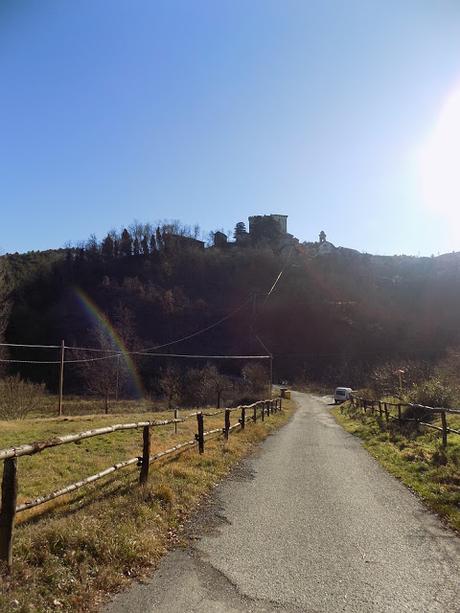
(311, 523)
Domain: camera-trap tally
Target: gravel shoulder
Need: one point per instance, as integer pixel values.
(310, 523)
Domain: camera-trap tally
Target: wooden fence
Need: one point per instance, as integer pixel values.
(384, 410)
(9, 507)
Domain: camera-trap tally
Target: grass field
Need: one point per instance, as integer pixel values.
(78, 405)
(72, 551)
(416, 458)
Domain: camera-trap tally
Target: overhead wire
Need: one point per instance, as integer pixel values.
(169, 343)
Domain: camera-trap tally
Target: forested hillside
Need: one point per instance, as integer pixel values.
(333, 316)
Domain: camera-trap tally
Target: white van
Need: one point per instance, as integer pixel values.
(341, 394)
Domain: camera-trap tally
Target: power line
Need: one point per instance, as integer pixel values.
(30, 346)
(170, 343)
(213, 357)
(145, 354)
(272, 289)
(29, 361)
(185, 338)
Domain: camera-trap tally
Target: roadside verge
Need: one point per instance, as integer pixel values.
(414, 457)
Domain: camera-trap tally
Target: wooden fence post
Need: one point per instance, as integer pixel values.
(254, 417)
(200, 435)
(243, 417)
(399, 413)
(143, 478)
(227, 424)
(176, 416)
(8, 510)
(263, 411)
(380, 408)
(444, 429)
(281, 404)
(386, 411)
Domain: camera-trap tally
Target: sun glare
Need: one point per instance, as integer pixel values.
(439, 161)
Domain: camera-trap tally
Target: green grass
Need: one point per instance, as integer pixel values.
(416, 458)
(73, 551)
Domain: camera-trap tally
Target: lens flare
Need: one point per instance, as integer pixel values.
(439, 161)
(99, 319)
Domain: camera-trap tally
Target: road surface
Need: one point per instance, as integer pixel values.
(310, 524)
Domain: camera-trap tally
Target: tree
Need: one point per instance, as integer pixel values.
(255, 376)
(19, 397)
(215, 383)
(107, 247)
(159, 239)
(91, 247)
(240, 232)
(126, 243)
(108, 375)
(145, 245)
(171, 384)
(136, 247)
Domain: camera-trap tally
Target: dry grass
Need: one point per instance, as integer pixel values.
(72, 551)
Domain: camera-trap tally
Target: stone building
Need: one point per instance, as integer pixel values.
(281, 220)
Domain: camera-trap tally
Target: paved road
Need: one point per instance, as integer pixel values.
(312, 523)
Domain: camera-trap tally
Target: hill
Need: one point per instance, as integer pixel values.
(333, 315)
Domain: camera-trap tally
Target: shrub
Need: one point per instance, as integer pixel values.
(432, 393)
(256, 377)
(19, 397)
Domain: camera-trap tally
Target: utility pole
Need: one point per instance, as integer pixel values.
(270, 385)
(254, 313)
(61, 377)
(118, 378)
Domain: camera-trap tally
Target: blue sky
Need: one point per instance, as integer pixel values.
(209, 111)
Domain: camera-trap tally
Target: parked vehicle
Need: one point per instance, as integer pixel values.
(341, 394)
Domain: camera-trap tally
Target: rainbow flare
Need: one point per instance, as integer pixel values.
(100, 319)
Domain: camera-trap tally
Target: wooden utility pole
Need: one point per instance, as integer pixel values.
(61, 378)
(118, 378)
(270, 385)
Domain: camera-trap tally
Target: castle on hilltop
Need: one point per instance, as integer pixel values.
(281, 220)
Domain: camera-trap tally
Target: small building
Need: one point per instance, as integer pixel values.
(178, 241)
(220, 239)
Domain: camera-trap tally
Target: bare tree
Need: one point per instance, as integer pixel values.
(171, 384)
(215, 383)
(256, 377)
(107, 375)
(19, 397)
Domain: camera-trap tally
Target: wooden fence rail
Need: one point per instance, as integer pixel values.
(385, 407)
(9, 507)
